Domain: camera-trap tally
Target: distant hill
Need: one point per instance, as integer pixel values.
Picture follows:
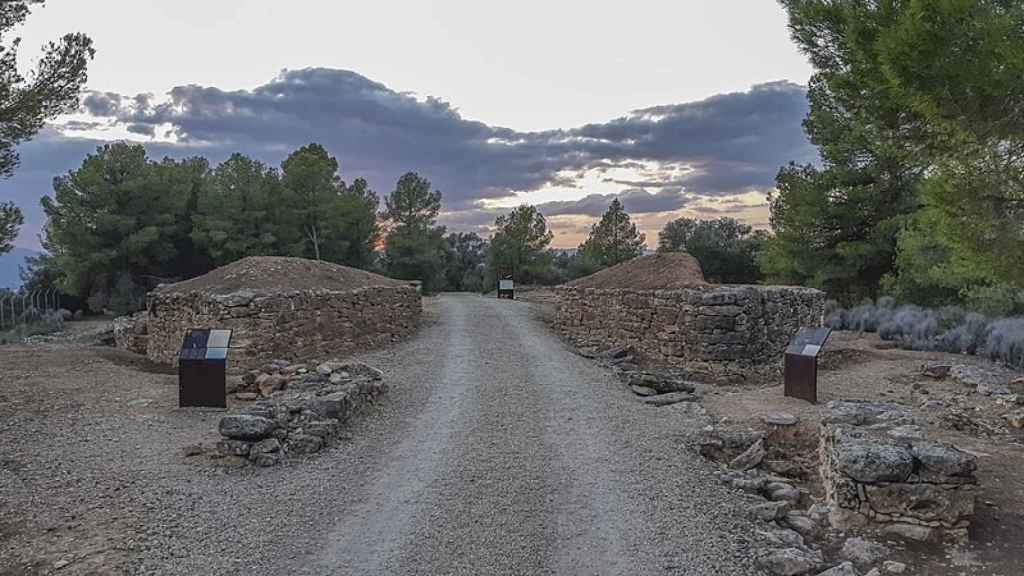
(10, 264)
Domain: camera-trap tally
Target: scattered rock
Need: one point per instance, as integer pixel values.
(768, 511)
(192, 450)
(782, 491)
(865, 413)
(304, 443)
(246, 427)
(246, 396)
(670, 398)
(659, 383)
(862, 552)
(790, 561)
(265, 446)
(937, 371)
(783, 538)
(722, 445)
(844, 569)
(780, 419)
(267, 384)
(620, 361)
(907, 432)
(750, 458)
(229, 447)
(893, 567)
(60, 564)
(642, 390)
(1015, 419)
(910, 531)
(801, 523)
(617, 352)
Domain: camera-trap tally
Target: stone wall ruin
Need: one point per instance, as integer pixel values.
(878, 469)
(718, 333)
(283, 308)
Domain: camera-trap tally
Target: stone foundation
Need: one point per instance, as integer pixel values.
(295, 325)
(879, 470)
(131, 334)
(719, 333)
(302, 410)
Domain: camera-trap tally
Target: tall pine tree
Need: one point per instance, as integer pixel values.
(614, 239)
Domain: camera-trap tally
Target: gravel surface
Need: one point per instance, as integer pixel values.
(497, 451)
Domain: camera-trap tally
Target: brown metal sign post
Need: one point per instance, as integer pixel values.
(202, 368)
(801, 363)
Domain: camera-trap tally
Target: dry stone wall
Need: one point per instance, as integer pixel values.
(878, 469)
(295, 325)
(718, 333)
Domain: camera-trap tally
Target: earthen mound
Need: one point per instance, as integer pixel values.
(666, 271)
(268, 274)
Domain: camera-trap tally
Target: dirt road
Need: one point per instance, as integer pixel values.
(498, 451)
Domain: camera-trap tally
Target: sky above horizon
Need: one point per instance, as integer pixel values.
(686, 109)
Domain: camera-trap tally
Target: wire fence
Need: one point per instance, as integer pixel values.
(27, 307)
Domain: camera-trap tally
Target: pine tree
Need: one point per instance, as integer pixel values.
(614, 239)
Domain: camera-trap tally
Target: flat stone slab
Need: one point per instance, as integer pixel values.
(780, 419)
(670, 398)
(643, 390)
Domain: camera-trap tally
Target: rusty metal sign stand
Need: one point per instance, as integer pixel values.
(801, 363)
(202, 368)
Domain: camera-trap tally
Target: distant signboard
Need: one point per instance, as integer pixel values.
(506, 287)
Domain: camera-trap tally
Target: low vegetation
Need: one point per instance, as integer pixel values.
(948, 329)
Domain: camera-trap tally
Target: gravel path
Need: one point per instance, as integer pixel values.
(498, 451)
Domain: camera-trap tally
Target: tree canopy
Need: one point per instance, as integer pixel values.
(121, 223)
(916, 109)
(614, 238)
(726, 248)
(519, 246)
(11, 220)
(415, 248)
(51, 89)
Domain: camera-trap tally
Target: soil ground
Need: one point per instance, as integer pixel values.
(497, 451)
(93, 481)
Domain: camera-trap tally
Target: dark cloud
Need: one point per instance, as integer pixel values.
(102, 104)
(144, 129)
(730, 143)
(635, 201)
(79, 125)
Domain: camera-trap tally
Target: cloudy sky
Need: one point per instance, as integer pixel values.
(680, 109)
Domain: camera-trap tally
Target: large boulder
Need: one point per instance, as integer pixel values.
(246, 427)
